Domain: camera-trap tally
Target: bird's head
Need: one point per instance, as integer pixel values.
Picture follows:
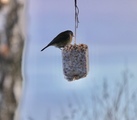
(70, 32)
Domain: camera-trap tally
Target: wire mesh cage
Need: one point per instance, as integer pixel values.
(75, 61)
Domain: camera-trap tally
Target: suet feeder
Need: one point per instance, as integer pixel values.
(75, 57)
(75, 61)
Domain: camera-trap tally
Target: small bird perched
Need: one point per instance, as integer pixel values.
(61, 40)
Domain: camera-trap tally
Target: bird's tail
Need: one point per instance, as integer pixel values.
(44, 48)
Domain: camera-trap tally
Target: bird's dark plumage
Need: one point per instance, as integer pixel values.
(61, 40)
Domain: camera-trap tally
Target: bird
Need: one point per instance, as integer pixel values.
(61, 40)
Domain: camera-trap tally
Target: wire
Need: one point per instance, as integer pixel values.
(76, 19)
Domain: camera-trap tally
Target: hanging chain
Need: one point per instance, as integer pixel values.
(76, 19)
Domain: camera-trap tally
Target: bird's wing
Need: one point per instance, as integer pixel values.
(59, 38)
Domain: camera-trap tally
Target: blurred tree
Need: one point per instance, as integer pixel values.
(11, 46)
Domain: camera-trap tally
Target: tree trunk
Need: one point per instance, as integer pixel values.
(11, 47)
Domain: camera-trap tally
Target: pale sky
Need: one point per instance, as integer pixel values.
(109, 28)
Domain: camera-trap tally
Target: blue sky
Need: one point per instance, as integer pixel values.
(109, 28)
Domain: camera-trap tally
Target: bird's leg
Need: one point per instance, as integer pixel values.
(61, 48)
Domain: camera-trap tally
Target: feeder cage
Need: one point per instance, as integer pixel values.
(75, 61)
